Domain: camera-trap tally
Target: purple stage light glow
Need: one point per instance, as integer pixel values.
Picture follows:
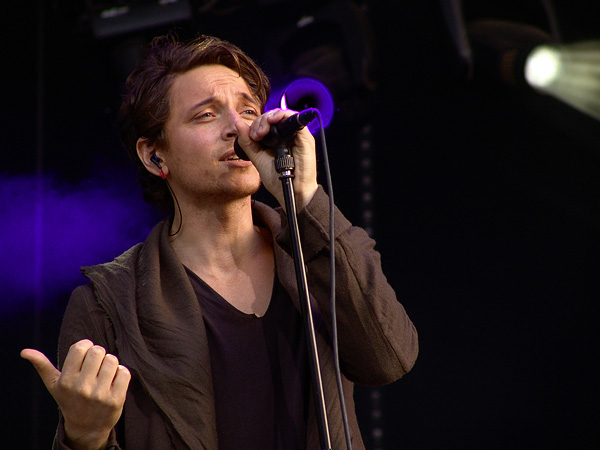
(302, 94)
(50, 228)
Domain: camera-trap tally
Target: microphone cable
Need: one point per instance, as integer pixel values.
(334, 334)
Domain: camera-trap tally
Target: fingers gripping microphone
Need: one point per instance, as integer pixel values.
(281, 132)
(286, 130)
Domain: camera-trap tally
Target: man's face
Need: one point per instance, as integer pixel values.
(204, 105)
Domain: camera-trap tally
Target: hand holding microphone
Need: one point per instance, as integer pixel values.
(267, 132)
(282, 132)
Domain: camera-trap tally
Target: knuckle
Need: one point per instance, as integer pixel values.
(111, 360)
(84, 390)
(64, 383)
(81, 346)
(112, 402)
(96, 350)
(97, 397)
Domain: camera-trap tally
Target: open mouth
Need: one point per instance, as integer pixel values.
(230, 156)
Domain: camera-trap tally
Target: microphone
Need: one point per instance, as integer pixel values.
(281, 132)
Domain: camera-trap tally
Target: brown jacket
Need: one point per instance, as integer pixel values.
(142, 308)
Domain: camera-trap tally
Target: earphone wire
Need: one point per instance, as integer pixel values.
(178, 209)
(154, 159)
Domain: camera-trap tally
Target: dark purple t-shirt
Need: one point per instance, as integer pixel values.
(260, 371)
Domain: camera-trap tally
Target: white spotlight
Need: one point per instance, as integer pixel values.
(523, 55)
(570, 73)
(542, 66)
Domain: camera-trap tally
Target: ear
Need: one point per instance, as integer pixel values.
(146, 151)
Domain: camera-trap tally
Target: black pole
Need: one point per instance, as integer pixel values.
(284, 165)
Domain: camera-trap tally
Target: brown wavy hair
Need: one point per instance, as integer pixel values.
(145, 106)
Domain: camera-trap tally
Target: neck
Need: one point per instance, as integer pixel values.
(215, 236)
(226, 250)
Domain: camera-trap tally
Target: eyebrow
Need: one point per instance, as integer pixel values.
(212, 99)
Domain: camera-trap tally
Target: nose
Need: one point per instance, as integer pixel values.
(229, 130)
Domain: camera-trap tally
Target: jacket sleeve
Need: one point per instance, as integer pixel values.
(377, 341)
(83, 319)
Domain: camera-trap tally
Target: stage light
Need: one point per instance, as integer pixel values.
(542, 66)
(570, 73)
(331, 44)
(524, 56)
(500, 50)
(124, 18)
(302, 94)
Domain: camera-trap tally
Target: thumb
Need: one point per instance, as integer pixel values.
(48, 373)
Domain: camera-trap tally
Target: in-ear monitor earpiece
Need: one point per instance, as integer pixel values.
(154, 159)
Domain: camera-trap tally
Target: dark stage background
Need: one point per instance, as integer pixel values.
(484, 203)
